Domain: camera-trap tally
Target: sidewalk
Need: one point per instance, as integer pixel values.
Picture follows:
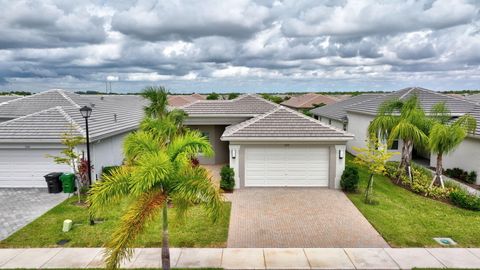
(267, 258)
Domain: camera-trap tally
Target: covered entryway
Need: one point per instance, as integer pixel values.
(286, 166)
(26, 167)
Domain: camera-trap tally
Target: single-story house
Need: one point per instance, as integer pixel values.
(182, 100)
(32, 127)
(308, 101)
(358, 115)
(269, 145)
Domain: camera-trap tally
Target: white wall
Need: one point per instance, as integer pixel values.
(331, 122)
(106, 152)
(358, 126)
(465, 157)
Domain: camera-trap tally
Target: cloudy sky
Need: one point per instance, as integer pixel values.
(240, 45)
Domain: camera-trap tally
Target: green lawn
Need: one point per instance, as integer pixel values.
(405, 219)
(197, 230)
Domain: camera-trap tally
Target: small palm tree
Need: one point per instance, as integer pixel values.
(446, 135)
(405, 120)
(157, 172)
(158, 97)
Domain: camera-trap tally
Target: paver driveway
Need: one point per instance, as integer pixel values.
(298, 217)
(18, 207)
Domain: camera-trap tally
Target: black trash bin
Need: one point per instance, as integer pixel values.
(53, 182)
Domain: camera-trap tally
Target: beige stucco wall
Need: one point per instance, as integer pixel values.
(465, 157)
(358, 126)
(220, 147)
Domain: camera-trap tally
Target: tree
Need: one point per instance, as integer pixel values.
(273, 98)
(405, 120)
(213, 96)
(158, 97)
(69, 156)
(373, 157)
(446, 135)
(233, 95)
(157, 173)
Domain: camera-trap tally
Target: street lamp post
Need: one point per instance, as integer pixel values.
(86, 112)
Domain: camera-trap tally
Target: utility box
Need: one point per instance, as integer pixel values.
(53, 182)
(68, 182)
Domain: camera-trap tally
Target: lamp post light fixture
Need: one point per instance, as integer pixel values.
(86, 113)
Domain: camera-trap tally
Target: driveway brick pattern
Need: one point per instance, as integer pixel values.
(18, 207)
(298, 218)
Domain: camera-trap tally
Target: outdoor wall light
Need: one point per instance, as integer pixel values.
(234, 153)
(340, 154)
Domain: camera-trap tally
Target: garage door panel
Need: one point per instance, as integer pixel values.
(286, 166)
(26, 167)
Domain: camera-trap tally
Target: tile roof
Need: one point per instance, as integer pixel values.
(428, 98)
(182, 100)
(245, 105)
(112, 114)
(308, 101)
(475, 98)
(337, 110)
(283, 123)
(476, 114)
(8, 98)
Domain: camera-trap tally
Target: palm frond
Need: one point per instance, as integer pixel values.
(408, 132)
(139, 142)
(195, 186)
(151, 169)
(110, 190)
(468, 122)
(382, 125)
(158, 97)
(189, 144)
(132, 224)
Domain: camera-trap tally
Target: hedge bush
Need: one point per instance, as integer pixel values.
(227, 181)
(349, 180)
(461, 175)
(465, 200)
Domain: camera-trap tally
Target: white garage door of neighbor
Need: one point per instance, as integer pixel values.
(26, 167)
(286, 165)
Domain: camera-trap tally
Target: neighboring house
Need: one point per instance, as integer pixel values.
(269, 145)
(182, 100)
(308, 101)
(336, 114)
(33, 127)
(8, 98)
(358, 116)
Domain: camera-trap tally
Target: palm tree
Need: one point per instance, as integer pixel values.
(446, 135)
(158, 97)
(405, 120)
(157, 172)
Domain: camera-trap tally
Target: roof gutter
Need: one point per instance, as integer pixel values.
(287, 139)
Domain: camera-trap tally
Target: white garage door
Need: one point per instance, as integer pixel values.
(277, 166)
(26, 167)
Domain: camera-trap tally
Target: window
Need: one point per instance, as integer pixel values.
(206, 135)
(345, 126)
(394, 145)
(329, 121)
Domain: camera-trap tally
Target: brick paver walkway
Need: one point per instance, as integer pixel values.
(249, 258)
(18, 207)
(298, 217)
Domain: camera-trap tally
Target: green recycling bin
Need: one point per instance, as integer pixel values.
(68, 182)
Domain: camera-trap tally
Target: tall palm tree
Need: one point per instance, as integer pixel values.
(157, 172)
(405, 120)
(446, 135)
(158, 97)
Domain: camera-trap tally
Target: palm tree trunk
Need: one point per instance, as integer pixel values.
(404, 161)
(438, 171)
(165, 245)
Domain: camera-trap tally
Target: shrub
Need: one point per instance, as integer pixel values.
(472, 177)
(228, 178)
(107, 170)
(465, 200)
(213, 96)
(349, 180)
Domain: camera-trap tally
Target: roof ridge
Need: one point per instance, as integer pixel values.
(28, 115)
(360, 102)
(408, 92)
(444, 95)
(70, 119)
(69, 99)
(318, 96)
(317, 121)
(250, 121)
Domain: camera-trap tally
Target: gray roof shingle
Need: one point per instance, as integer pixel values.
(428, 98)
(337, 110)
(475, 98)
(286, 124)
(245, 105)
(42, 115)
